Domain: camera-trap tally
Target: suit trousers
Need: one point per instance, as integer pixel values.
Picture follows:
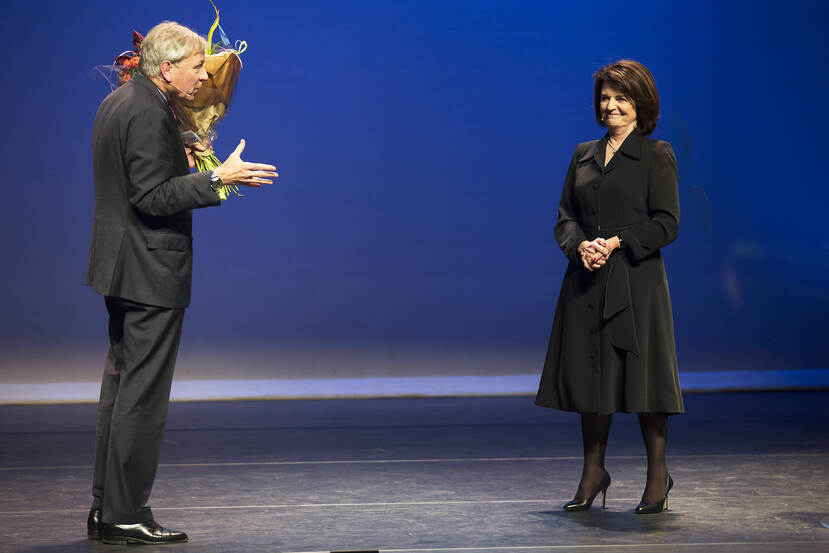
(132, 410)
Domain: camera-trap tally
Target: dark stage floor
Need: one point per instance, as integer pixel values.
(432, 475)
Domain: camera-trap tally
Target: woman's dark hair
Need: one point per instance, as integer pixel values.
(635, 81)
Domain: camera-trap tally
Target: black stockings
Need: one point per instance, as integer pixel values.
(655, 433)
(594, 432)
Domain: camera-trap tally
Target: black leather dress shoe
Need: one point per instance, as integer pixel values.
(93, 524)
(150, 533)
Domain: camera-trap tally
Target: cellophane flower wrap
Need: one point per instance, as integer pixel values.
(210, 103)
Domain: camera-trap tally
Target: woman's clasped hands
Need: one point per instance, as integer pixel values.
(595, 253)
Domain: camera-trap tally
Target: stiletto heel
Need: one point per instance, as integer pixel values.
(658, 506)
(584, 504)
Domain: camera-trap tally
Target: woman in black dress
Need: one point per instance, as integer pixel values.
(612, 345)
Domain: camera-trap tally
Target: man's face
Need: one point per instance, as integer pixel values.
(187, 74)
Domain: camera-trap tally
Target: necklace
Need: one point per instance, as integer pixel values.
(616, 148)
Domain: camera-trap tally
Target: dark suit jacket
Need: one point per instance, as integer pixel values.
(144, 192)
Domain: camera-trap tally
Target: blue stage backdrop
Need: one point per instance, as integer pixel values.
(422, 146)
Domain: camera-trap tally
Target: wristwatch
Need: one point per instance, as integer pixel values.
(215, 182)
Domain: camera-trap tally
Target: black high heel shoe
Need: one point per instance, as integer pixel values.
(661, 505)
(584, 504)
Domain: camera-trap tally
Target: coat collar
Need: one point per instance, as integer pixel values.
(140, 80)
(631, 147)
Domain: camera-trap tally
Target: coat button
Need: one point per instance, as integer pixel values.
(590, 306)
(592, 331)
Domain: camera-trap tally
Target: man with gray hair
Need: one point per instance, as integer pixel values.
(141, 262)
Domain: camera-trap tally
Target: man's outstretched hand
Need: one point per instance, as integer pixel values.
(236, 172)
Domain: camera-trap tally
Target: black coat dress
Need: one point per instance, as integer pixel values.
(612, 344)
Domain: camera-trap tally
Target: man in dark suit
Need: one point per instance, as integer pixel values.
(141, 260)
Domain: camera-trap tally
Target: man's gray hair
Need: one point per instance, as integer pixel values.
(168, 41)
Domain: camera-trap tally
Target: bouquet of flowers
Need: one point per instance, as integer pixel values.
(211, 101)
(197, 119)
(127, 62)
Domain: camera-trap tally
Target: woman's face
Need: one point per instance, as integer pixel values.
(617, 109)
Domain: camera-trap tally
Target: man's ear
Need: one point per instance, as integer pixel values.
(166, 67)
